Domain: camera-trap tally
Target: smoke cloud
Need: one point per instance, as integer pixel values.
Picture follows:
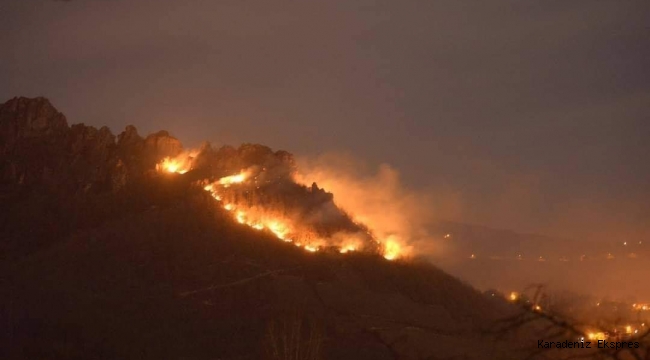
(397, 216)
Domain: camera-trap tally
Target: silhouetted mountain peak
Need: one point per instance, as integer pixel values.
(39, 147)
(28, 118)
(137, 261)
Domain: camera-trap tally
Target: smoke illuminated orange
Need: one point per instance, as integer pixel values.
(282, 227)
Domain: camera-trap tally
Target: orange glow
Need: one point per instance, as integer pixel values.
(259, 219)
(597, 336)
(233, 179)
(283, 228)
(389, 234)
(392, 249)
(172, 166)
(179, 164)
(514, 296)
(397, 218)
(240, 217)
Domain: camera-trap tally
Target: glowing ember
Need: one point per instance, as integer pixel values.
(514, 296)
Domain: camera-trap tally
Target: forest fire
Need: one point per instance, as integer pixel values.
(279, 224)
(172, 166)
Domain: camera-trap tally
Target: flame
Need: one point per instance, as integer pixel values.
(172, 166)
(283, 227)
(179, 164)
(258, 219)
(280, 225)
(240, 217)
(398, 218)
(392, 249)
(233, 179)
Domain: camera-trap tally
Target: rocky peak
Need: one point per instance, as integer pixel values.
(33, 115)
(82, 136)
(161, 145)
(38, 147)
(128, 136)
(28, 118)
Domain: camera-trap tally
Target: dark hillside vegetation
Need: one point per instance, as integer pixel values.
(112, 260)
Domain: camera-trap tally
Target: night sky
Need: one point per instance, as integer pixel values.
(526, 115)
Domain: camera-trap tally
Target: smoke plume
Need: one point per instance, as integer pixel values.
(398, 217)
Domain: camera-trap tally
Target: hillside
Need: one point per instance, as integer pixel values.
(105, 256)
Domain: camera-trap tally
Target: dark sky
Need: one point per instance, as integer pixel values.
(528, 115)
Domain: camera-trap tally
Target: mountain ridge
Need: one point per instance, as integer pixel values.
(105, 256)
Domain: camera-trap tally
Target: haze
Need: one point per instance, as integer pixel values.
(530, 116)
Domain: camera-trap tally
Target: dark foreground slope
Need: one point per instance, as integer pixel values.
(118, 262)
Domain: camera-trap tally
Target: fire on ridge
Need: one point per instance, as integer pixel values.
(283, 226)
